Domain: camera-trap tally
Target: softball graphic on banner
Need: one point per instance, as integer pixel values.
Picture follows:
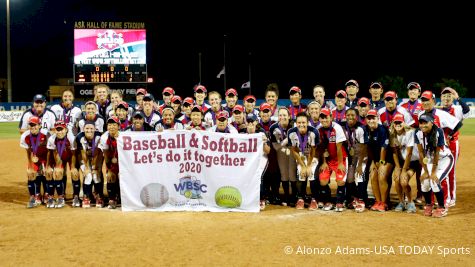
(228, 197)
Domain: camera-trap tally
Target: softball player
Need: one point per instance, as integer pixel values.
(91, 162)
(231, 98)
(436, 160)
(380, 162)
(460, 112)
(406, 161)
(108, 146)
(35, 144)
(47, 117)
(295, 107)
(303, 140)
(151, 117)
(68, 112)
(61, 153)
(356, 149)
(338, 113)
(222, 125)
(168, 121)
(334, 160)
(91, 116)
(287, 165)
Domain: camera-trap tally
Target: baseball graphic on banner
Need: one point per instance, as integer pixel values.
(154, 195)
(228, 197)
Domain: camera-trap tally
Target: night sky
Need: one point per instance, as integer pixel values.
(289, 44)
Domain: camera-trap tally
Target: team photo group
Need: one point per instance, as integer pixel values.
(355, 148)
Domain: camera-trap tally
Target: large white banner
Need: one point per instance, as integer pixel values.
(190, 171)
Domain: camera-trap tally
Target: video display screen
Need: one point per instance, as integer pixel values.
(109, 46)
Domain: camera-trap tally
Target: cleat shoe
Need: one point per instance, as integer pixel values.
(376, 205)
(360, 206)
(50, 203)
(439, 213)
(262, 205)
(382, 207)
(38, 200)
(86, 203)
(313, 205)
(60, 202)
(428, 210)
(399, 207)
(76, 202)
(45, 198)
(339, 207)
(112, 204)
(284, 204)
(328, 206)
(300, 204)
(320, 205)
(99, 202)
(451, 203)
(31, 203)
(411, 208)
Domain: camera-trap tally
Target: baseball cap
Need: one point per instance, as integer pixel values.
(222, 114)
(376, 85)
(427, 95)
(251, 117)
(398, 117)
(59, 124)
(189, 100)
(265, 106)
(390, 94)
(413, 85)
(426, 117)
(123, 105)
(352, 82)
(113, 119)
(238, 108)
(168, 90)
(372, 112)
(447, 90)
(39, 97)
(34, 119)
(363, 100)
(325, 111)
(176, 98)
(341, 94)
(141, 91)
(200, 88)
(295, 89)
(138, 113)
(148, 97)
(196, 108)
(231, 91)
(246, 98)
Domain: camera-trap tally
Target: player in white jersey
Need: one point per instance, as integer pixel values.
(68, 112)
(47, 117)
(436, 160)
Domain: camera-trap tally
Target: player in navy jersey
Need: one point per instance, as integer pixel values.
(352, 87)
(380, 162)
(376, 90)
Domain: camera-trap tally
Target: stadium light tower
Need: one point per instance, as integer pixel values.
(9, 56)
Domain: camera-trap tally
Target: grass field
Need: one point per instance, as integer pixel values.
(9, 130)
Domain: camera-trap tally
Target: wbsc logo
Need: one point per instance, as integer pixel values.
(190, 187)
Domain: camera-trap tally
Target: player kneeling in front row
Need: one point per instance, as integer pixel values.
(334, 160)
(437, 161)
(303, 140)
(61, 148)
(34, 141)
